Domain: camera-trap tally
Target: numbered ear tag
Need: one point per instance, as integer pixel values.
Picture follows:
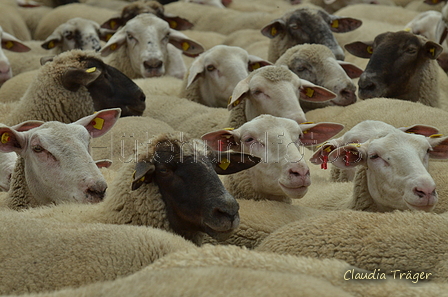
(185, 46)
(335, 24)
(238, 101)
(51, 44)
(274, 32)
(255, 66)
(9, 44)
(90, 70)
(224, 164)
(307, 123)
(432, 51)
(436, 136)
(5, 138)
(98, 123)
(370, 49)
(113, 47)
(229, 129)
(309, 92)
(173, 24)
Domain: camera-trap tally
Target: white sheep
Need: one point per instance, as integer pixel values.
(14, 88)
(45, 172)
(215, 73)
(75, 84)
(306, 25)
(283, 172)
(77, 33)
(317, 64)
(389, 242)
(392, 171)
(12, 22)
(78, 249)
(171, 185)
(415, 77)
(145, 47)
(10, 43)
(32, 16)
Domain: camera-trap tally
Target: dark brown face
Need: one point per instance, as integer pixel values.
(114, 89)
(395, 59)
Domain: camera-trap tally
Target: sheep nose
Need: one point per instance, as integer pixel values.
(425, 192)
(96, 191)
(299, 172)
(153, 64)
(348, 96)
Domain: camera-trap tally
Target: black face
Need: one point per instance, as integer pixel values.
(195, 197)
(114, 89)
(395, 58)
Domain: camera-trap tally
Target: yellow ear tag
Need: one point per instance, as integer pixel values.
(90, 70)
(432, 51)
(436, 136)
(51, 44)
(142, 179)
(335, 24)
(355, 144)
(238, 101)
(327, 149)
(274, 32)
(173, 24)
(309, 92)
(256, 66)
(407, 29)
(108, 36)
(113, 24)
(9, 44)
(113, 47)
(370, 49)
(5, 137)
(321, 145)
(224, 164)
(185, 46)
(98, 123)
(230, 99)
(229, 129)
(306, 123)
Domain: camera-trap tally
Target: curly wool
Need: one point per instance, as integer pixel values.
(19, 196)
(47, 100)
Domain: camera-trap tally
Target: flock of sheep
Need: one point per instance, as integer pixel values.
(225, 148)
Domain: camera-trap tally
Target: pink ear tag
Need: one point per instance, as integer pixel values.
(324, 162)
(347, 158)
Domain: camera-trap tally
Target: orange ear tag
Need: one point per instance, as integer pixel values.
(173, 24)
(335, 24)
(370, 49)
(98, 123)
(185, 46)
(224, 164)
(309, 92)
(5, 137)
(9, 44)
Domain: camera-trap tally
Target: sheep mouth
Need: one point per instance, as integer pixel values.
(426, 208)
(294, 192)
(132, 111)
(222, 230)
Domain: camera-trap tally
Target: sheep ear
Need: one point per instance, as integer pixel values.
(343, 24)
(221, 140)
(52, 41)
(13, 44)
(142, 174)
(360, 49)
(177, 23)
(11, 140)
(99, 123)
(113, 24)
(274, 28)
(424, 130)
(439, 147)
(27, 125)
(313, 93)
(257, 62)
(196, 69)
(115, 42)
(105, 34)
(432, 50)
(238, 93)
(232, 162)
(105, 163)
(351, 69)
(320, 156)
(348, 156)
(317, 133)
(74, 78)
(189, 47)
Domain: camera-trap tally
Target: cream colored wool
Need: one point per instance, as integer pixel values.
(32, 16)
(414, 241)
(159, 86)
(395, 15)
(12, 22)
(39, 255)
(14, 88)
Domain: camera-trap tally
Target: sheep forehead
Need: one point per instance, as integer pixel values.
(368, 129)
(223, 52)
(272, 127)
(274, 74)
(142, 21)
(401, 145)
(395, 40)
(83, 24)
(316, 52)
(75, 58)
(56, 134)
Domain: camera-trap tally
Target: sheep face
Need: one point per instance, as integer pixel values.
(279, 142)
(57, 164)
(276, 90)
(397, 176)
(317, 64)
(195, 198)
(396, 60)
(11, 43)
(77, 33)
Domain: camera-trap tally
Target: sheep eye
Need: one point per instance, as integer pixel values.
(257, 92)
(294, 26)
(69, 36)
(249, 139)
(210, 68)
(167, 36)
(129, 36)
(37, 149)
(300, 69)
(373, 157)
(411, 50)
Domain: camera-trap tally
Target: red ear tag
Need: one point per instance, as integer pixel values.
(324, 162)
(347, 158)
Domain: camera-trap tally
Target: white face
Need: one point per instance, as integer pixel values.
(58, 164)
(81, 34)
(279, 99)
(283, 170)
(147, 46)
(397, 172)
(5, 66)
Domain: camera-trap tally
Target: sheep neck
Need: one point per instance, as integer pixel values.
(428, 84)
(19, 196)
(361, 198)
(237, 116)
(240, 186)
